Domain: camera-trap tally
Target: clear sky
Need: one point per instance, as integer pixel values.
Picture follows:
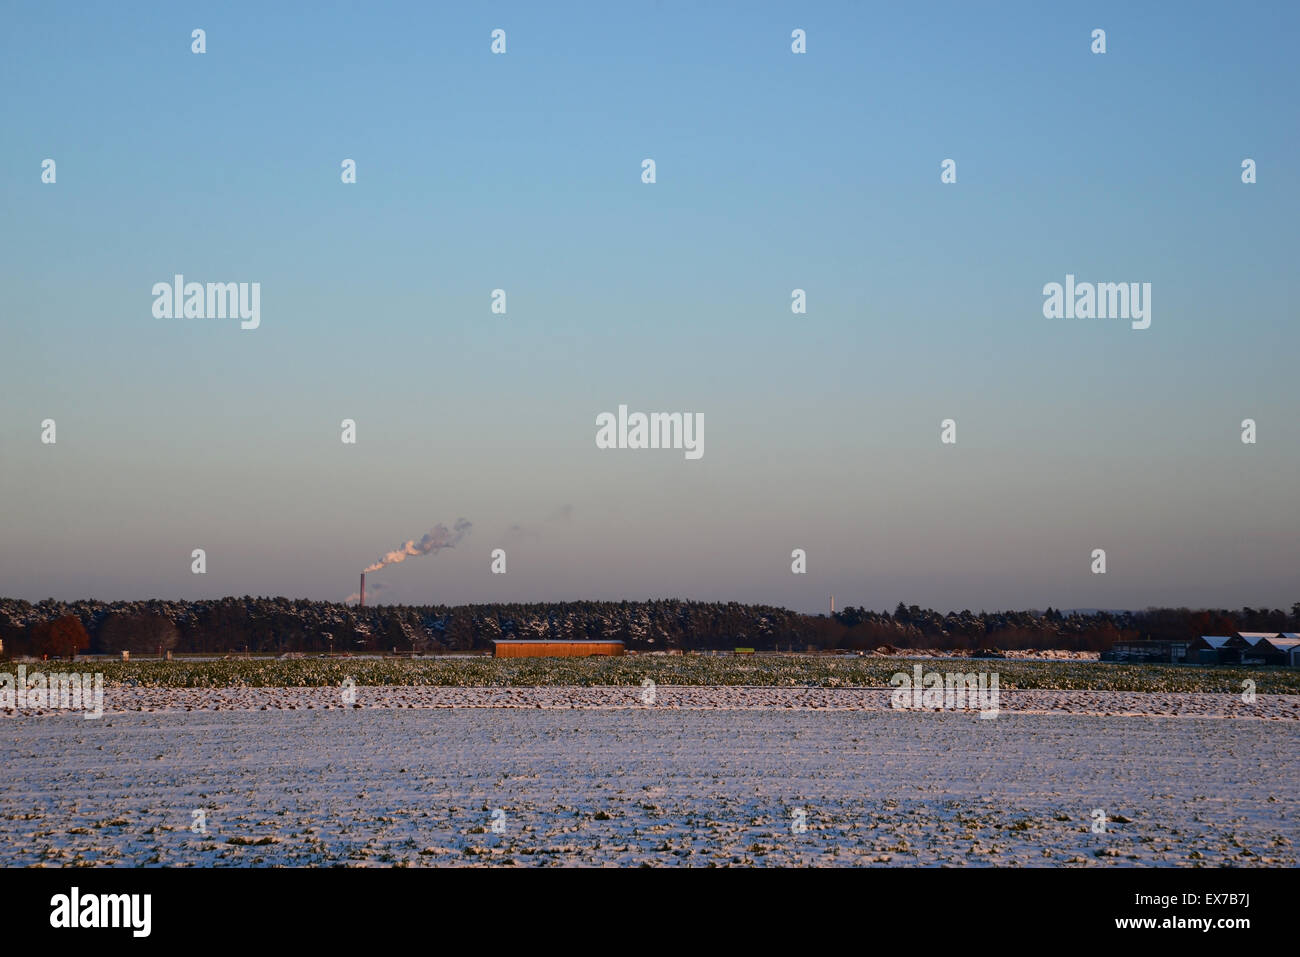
(775, 171)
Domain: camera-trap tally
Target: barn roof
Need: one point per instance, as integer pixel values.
(1216, 641)
(1255, 637)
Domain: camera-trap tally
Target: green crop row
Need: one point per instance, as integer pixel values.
(785, 671)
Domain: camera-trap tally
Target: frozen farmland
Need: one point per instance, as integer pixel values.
(553, 785)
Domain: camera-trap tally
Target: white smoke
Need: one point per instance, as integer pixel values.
(434, 541)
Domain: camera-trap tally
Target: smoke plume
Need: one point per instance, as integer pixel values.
(434, 541)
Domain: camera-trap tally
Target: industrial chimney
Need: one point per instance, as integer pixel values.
(362, 602)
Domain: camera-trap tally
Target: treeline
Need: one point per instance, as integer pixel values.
(280, 625)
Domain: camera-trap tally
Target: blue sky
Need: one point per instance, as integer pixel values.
(775, 171)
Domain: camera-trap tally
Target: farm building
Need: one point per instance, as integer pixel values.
(1288, 643)
(1271, 649)
(1219, 649)
(549, 648)
(1249, 648)
(1255, 653)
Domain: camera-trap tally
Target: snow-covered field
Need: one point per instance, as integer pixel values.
(125, 699)
(763, 782)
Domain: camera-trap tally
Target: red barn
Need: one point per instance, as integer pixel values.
(549, 648)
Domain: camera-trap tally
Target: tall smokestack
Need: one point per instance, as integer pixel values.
(362, 602)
